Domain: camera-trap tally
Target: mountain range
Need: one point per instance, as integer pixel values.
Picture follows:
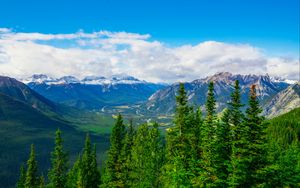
(163, 101)
(93, 92)
(151, 99)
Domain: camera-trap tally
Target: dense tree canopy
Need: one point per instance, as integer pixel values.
(235, 148)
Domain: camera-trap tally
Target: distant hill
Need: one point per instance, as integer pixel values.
(93, 92)
(163, 101)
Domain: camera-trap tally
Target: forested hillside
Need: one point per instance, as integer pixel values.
(238, 149)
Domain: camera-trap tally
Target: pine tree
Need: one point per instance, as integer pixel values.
(74, 174)
(234, 118)
(126, 155)
(112, 176)
(41, 182)
(147, 156)
(89, 175)
(22, 178)
(248, 153)
(95, 173)
(58, 172)
(178, 153)
(222, 150)
(257, 138)
(210, 176)
(32, 179)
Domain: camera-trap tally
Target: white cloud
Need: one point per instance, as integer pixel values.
(106, 53)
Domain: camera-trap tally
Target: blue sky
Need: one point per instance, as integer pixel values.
(271, 24)
(156, 40)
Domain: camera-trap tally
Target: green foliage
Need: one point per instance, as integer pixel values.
(236, 150)
(126, 155)
(113, 170)
(181, 150)
(22, 178)
(147, 157)
(89, 172)
(32, 179)
(74, 175)
(58, 172)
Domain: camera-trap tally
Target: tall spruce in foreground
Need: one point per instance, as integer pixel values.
(257, 137)
(126, 155)
(113, 175)
(22, 178)
(74, 174)
(58, 172)
(178, 151)
(248, 149)
(32, 179)
(89, 176)
(235, 118)
(147, 156)
(207, 176)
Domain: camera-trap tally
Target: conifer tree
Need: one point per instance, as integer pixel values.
(112, 176)
(234, 118)
(208, 176)
(178, 152)
(58, 172)
(32, 179)
(257, 137)
(147, 156)
(248, 154)
(22, 178)
(89, 174)
(126, 155)
(95, 173)
(74, 174)
(41, 182)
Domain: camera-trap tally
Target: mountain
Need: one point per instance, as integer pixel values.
(27, 117)
(19, 91)
(163, 101)
(93, 92)
(283, 101)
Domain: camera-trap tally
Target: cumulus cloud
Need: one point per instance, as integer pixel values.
(107, 53)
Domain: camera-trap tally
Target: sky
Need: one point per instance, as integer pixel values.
(158, 41)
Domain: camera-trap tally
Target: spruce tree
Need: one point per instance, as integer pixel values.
(178, 170)
(89, 175)
(32, 179)
(22, 178)
(248, 153)
(113, 176)
(73, 175)
(126, 155)
(41, 182)
(147, 156)
(234, 118)
(257, 138)
(58, 172)
(209, 176)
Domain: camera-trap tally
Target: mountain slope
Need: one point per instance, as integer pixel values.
(163, 101)
(25, 118)
(284, 101)
(17, 90)
(93, 92)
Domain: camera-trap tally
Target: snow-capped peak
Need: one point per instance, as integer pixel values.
(38, 78)
(88, 80)
(279, 79)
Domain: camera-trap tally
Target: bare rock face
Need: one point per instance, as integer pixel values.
(284, 101)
